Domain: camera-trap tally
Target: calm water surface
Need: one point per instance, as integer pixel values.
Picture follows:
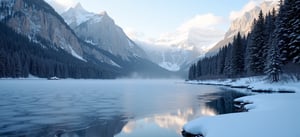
(104, 108)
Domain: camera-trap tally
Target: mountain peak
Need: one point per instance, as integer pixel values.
(78, 6)
(103, 13)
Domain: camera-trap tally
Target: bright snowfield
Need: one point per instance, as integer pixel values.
(269, 115)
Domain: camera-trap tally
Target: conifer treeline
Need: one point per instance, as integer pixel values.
(271, 48)
(19, 57)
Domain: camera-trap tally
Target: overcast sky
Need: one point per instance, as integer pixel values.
(153, 18)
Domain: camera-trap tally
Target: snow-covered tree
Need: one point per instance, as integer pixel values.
(294, 45)
(282, 31)
(238, 56)
(273, 69)
(257, 47)
(228, 60)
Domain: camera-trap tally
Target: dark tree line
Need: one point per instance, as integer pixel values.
(271, 48)
(20, 57)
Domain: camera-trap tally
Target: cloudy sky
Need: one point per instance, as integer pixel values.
(155, 18)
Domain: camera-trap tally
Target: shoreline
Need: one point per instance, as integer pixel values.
(226, 125)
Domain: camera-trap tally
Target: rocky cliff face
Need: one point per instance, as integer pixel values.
(242, 24)
(101, 31)
(98, 42)
(36, 19)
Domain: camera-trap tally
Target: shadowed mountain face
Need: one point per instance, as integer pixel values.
(101, 32)
(91, 38)
(36, 19)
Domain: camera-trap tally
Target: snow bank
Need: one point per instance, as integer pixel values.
(269, 115)
(255, 83)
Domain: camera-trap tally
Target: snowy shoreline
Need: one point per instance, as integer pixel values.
(273, 115)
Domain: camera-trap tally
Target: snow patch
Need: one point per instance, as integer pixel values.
(76, 55)
(115, 64)
(79, 15)
(170, 66)
(269, 115)
(91, 42)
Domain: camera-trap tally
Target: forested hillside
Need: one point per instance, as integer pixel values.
(20, 57)
(271, 48)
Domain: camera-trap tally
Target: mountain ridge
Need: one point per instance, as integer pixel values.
(101, 31)
(242, 24)
(41, 24)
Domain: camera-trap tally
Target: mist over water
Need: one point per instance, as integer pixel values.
(107, 108)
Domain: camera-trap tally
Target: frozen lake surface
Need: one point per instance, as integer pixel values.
(105, 108)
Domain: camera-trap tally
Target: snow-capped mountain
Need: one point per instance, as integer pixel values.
(243, 24)
(101, 31)
(174, 51)
(41, 23)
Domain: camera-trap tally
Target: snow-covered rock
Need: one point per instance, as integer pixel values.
(101, 31)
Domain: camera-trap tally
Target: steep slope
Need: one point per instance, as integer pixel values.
(242, 24)
(40, 23)
(36, 19)
(101, 31)
(21, 57)
(104, 36)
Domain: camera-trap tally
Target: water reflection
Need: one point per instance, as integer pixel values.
(207, 111)
(220, 103)
(93, 108)
(99, 128)
(167, 125)
(170, 124)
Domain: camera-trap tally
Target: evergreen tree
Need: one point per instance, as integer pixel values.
(269, 29)
(221, 60)
(228, 60)
(273, 67)
(2, 63)
(192, 72)
(17, 67)
(294, 45)
(20, 57)
(237, 56)
(257, 47)
(198, 69)
(273, 45)
(282, 31)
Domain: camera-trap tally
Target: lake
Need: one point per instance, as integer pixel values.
(106, 108)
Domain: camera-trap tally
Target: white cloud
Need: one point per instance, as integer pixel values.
(205, 21)
(200, 28)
